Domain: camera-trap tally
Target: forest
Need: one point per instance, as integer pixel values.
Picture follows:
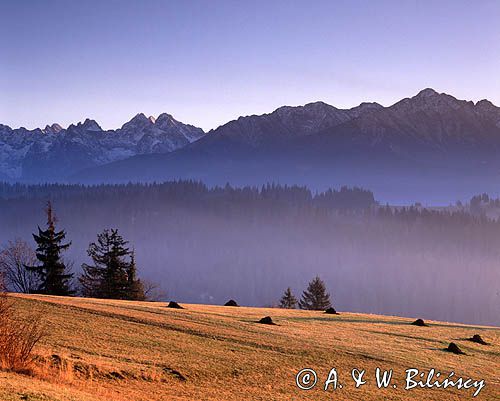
(209, 244)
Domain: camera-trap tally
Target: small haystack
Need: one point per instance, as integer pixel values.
(266, 320)
(175, 305)
(231, 302)
(454, 348)
(331, 311)
(476, 338)
(419, 322)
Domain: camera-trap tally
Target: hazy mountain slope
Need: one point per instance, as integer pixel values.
(428, 121)
(247, 143)
(430, 130)
(429, 138)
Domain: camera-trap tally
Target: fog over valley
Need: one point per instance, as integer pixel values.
(207, 245)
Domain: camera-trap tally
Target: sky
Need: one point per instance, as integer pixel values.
(208, 62)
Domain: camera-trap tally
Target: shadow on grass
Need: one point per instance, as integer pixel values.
(403, 336)
(343, 319)
(445, 350)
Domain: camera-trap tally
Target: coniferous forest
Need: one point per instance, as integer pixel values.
(208, 244)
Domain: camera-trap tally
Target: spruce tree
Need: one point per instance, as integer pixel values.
(53, 274)
(288, 301)
(135, 285)
(113, 274)
(315, 297)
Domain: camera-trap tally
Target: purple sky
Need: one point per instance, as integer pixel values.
(207, 62)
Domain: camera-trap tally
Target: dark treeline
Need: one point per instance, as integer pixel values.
(195, 191)
(208, 245)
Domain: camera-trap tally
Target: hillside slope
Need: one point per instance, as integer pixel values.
(118, 350)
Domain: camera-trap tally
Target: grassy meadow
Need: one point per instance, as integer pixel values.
(120, 350)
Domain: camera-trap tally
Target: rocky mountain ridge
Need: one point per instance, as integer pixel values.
(53, 153)
(427, 128)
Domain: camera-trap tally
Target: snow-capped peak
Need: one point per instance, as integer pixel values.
(89, 125)
(52, 129)
(138, 121)
(24, 153)
(165, 120)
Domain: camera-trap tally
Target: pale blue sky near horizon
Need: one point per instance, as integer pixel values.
(208, 62)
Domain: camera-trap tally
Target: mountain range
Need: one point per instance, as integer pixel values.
(54, 153)
(430, 137)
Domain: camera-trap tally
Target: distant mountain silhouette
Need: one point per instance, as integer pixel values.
(430, 137)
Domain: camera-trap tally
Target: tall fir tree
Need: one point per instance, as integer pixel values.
(54, 276)
(315, 297)
(288, 301)
(113, 274)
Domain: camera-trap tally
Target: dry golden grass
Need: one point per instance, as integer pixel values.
(119, 350)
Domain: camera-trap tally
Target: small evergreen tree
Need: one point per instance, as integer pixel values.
(113, 274)
(288, 301)
(135, 285)
(53, 274)
(315, 297)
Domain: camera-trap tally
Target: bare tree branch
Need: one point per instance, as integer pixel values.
(13, 261)
(153, 291)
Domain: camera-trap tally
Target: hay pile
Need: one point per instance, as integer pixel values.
(174, 305)
(266, 320)
(455, 349)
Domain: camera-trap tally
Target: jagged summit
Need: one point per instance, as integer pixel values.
(165, 119)
(89, 125)
(139, 120)
(52, 129)
(40, 153)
